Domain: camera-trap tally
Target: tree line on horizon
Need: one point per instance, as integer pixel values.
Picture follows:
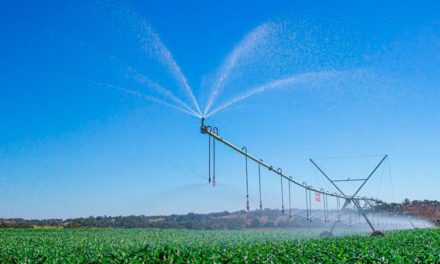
(267, 218)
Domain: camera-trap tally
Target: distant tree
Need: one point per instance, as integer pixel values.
(7, 224)
(255, 222)
(73, 224)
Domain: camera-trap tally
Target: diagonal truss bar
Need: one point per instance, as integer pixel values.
(352, 198)
(369, 176)
(325, 175)
(358, 206)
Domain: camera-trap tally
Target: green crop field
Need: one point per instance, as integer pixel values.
(182, 246)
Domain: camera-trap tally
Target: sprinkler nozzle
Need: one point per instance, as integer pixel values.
(203, 128)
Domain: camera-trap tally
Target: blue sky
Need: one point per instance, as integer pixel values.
(74, 143)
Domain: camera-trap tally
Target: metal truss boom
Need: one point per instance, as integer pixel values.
(214, 134)
(352, 198)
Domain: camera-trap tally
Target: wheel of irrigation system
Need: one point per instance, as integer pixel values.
(326, 234)
(378, 233)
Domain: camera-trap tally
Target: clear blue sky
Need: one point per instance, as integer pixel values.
(71, 144)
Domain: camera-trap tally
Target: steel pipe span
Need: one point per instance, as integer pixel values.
(214, 134)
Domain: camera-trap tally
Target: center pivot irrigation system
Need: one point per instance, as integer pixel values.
(357, 201)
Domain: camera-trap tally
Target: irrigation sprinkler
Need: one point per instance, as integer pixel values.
(215, 131)
(282, 191)
(324, 202)
(325, 199)
(307, 202)
(290, 202)
(209, 160)
(259, 185)
(310, 205)
(338, 207)
(354, 199)
(247, 178)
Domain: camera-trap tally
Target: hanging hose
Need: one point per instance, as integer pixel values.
(350, 218)
(282, 192)
(326, 219)
(338, 205)
(259, 184)
(290, 203)
(382, 216)
(310, 205)
(209, 155)
(307, 204)
(247, 180)
(326, 207)
(215, 131)
(372, 211)
(323, 203)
